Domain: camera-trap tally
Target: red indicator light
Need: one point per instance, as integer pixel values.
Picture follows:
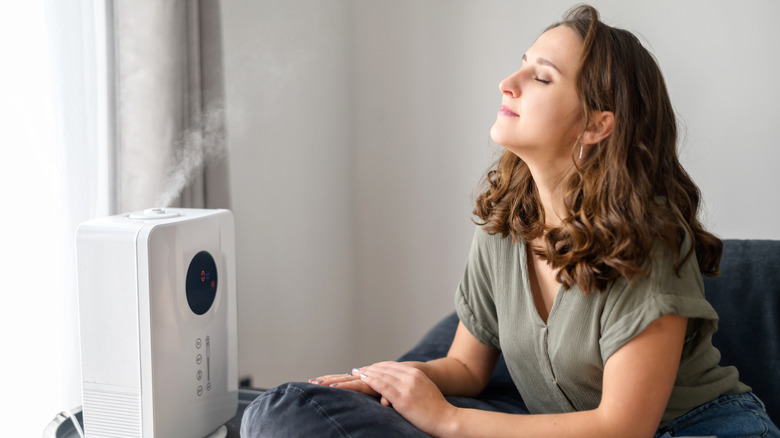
(213, 284)
(202, 276)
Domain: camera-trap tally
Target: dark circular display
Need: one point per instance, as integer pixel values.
(201, 283)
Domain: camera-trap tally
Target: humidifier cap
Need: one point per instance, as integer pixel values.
(153, 213)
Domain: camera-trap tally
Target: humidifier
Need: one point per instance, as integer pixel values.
(157, 307)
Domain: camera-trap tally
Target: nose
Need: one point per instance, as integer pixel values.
(510, 86)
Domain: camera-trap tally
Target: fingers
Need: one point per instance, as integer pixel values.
(392, 372)
(332, 378)
(386, 378)
(357, 385)
(344, 381)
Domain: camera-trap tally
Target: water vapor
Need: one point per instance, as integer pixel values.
(202, 143)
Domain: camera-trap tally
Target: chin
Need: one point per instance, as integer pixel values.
(503, 141)
(497, 136)
(503, 135)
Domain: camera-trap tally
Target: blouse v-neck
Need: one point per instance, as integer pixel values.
(525, 273)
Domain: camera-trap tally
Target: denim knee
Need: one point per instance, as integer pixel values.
(288, 410)
(304, 409)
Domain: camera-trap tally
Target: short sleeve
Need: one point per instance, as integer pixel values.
(474, 301)
(632, 306)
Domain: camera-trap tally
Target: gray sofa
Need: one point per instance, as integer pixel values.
(746, 297)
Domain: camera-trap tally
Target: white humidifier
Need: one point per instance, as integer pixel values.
(157, 302)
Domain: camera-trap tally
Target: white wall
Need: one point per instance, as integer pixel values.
(288, 102)
(359, 130)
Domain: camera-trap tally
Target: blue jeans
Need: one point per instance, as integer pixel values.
(307, 410)
(303, 409)
(729, 416)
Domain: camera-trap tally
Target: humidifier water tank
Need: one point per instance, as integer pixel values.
(157, 307)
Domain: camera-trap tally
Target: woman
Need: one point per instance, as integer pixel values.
(585, 272)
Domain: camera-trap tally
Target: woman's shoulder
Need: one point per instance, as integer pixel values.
(494, 247)
(663, 275)
(497, 241)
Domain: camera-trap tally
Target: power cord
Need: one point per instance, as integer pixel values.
(76, 424)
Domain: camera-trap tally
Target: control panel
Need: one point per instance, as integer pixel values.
(203, 365)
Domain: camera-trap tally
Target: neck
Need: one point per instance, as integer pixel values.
(548, 179)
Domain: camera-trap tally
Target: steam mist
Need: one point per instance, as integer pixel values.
(201, 143)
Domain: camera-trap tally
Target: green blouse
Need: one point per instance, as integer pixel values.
(558, 366)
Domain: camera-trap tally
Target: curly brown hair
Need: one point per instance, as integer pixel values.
(629, 193)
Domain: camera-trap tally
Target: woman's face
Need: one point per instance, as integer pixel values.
(541, 115)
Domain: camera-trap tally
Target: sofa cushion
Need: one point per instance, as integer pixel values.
(747, 298)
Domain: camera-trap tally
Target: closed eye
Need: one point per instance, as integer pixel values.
(544, 81)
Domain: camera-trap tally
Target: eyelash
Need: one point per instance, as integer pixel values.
(537, 78)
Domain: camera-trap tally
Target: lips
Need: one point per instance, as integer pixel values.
(505, 111)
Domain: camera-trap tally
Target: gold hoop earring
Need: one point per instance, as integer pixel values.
(580, 151)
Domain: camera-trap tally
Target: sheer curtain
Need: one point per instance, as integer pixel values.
(53, 177)
(169, 104)
(102, 101)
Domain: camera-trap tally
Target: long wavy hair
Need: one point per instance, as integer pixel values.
(627, 194)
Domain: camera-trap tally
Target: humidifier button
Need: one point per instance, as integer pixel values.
(199, 376)
(153, 213)
(198, 359)
(208, 387)
(200, 391)
(197, 343)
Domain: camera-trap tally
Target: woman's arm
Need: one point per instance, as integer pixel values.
(466, 369)
(638, 381)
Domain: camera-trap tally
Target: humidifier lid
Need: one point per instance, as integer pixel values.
(152, 214)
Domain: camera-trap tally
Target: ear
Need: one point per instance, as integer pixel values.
(601, 124)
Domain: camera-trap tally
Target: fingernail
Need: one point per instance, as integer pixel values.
(334, 384)
(363, 376)
(355, 370)
(315, 381)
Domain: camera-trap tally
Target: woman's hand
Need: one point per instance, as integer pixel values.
(353, 382)
(411, 393)
(345, 381)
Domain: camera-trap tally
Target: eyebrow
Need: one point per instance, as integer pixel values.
(547, 62)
